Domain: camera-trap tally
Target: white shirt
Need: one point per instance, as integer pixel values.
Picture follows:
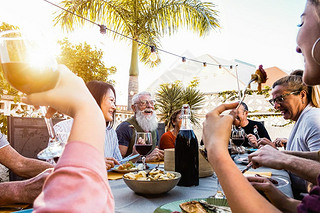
(111, 146)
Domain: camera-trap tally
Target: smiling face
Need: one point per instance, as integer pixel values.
(308, 34)
(145, 104)
(108, 105)
(292, 105)
(177, 122)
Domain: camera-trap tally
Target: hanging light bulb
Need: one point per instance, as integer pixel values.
(220, 66)
(204, 64)
(184, 59)
(230, 66)
(153, 56)
(103, 29)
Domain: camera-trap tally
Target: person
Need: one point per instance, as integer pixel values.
(105, 96)
(36, 171)
(80, 171)
(144, 120)
(293, 99)
(249, 126)
(217, 132)
(168, 139)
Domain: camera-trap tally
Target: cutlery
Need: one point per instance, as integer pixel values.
(247, 168)
(130, 157)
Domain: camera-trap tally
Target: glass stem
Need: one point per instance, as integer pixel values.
(144, 162)
(49, 124)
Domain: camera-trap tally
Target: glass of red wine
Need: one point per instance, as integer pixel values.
(29, 66)
(238, 136)
(143, 145)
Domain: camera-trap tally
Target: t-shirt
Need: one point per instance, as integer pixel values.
(79, 183)
(262, 132)
(311, 202)
(167, 140)
(3, 141)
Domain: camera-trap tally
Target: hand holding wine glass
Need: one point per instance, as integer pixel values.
(30, 68)
(143, 145)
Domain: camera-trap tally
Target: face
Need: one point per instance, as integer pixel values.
(242, 114)
(178, 121)
(309, 32)
(108, 105)
(145, 105)
(291, 106)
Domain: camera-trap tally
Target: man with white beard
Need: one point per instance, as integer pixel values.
(144, 120)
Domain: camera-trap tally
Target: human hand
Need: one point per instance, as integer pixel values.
(265, 141)
(274, 195)
(280, 142)
(155, 155)
(252, 140)
(69, 95)
(267, 156)
(28, 190)
(217, 128)
(110, 162)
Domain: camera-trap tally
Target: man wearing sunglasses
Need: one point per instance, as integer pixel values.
(144, 120)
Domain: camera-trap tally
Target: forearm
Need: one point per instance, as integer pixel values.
(13, 192)
(231, 178)
(30, 167)
(304, 168)
(307, 155)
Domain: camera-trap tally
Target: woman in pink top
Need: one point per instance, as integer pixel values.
(79, 182)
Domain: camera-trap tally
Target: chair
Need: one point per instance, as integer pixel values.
(28, 136)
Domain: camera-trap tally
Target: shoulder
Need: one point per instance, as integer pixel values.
(166, 135)
(123, 126)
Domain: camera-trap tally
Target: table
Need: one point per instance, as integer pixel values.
(127, 201)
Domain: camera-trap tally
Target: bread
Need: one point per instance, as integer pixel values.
(192, 207)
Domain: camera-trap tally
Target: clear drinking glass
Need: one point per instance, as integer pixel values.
(238, 136)
(29, 66)
(143, 145)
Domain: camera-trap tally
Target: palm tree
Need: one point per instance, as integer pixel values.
(142, 20)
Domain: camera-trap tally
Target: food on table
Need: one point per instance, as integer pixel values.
(260, 77)
(192, 207)
(127, 166)
(154, 174)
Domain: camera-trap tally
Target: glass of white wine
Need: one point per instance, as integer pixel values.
(29, 66)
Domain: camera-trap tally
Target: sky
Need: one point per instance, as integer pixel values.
(253, 31)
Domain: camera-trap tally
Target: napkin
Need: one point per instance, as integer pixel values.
(114, 175)
(264, 174)
(157, 162)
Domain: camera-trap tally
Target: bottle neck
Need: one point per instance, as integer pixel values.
(186, 123)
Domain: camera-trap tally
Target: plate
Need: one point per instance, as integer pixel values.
(244, 161)
(115, 169)
(281, 182)
(174, 206)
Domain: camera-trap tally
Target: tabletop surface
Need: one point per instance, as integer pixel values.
(127, 201)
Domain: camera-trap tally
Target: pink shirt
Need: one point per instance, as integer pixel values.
(79, 183)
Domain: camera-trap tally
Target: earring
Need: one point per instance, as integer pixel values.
(313, 49)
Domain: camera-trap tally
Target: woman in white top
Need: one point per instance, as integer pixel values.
(105, 96)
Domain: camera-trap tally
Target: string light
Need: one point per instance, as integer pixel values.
(153, 55)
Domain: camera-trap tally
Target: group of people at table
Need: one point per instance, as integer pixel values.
(78, 182)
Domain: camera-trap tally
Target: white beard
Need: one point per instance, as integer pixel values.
(147, 123)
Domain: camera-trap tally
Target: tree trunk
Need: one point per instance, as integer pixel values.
(133, 86)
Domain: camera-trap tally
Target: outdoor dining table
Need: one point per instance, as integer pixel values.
(128, 201)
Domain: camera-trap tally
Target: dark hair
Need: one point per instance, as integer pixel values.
(98, 90)
(174, 117)
(244, 106)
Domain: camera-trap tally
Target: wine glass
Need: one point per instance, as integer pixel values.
(29, 66)
(143, 145)
(238, 137)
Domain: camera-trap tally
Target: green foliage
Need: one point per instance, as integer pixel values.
(171, 97)
(85, 61)
(233, 94)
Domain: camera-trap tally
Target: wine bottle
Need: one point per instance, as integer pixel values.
(186, 151)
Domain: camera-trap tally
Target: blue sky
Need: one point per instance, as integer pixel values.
(254, 31)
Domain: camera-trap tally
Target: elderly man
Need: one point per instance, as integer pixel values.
(21, 191)
(144, 120)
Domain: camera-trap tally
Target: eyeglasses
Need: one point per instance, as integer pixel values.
(145, 102)
(281, 98)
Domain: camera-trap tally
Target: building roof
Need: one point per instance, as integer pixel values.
(273, 74)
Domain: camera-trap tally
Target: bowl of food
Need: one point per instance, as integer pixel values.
(151, 182)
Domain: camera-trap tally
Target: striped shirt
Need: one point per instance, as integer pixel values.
(111, 146)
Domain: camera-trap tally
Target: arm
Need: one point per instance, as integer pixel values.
(20, 165)
(270, 157)
(307, 155)
(24, 191)
(216, 133)
(124, 134)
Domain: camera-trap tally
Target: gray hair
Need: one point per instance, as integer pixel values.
(136, 97)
